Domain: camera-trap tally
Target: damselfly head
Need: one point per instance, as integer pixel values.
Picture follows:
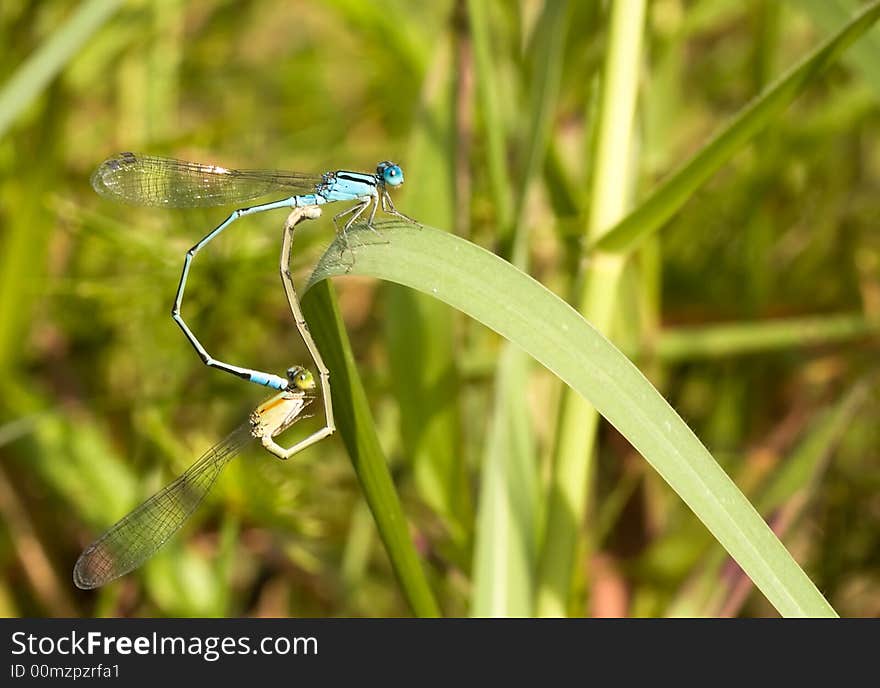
(390, 173)
(300, 378)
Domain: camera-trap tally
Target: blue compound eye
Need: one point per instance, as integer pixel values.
(393, 175)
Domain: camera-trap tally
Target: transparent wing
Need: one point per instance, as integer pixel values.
(139, 535)
(148, 180)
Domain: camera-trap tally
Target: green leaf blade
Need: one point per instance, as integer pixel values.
(520, 309)
(672, 194)
(355, 424)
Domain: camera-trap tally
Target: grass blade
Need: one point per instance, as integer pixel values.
(40, 68)
(672, 194)
(355, 423)
(493, 123)
(737, 339)
(505, 553)
(611, 179)
(520, 309)
(865, 55)
(788, 492)
(419, 331)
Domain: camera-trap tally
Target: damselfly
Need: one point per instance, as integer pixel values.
(138, 536)
(153, 181)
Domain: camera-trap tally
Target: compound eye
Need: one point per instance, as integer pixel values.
(301, 378)
(393, 175)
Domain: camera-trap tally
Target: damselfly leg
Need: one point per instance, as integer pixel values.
(329, 428)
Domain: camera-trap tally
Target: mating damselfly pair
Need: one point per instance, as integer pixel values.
(164, 182)
(154, 181)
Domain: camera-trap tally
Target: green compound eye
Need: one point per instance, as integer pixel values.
(301, 378)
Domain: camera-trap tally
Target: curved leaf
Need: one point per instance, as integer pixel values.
(516, 306)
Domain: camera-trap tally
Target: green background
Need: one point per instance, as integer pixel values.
(754, 310)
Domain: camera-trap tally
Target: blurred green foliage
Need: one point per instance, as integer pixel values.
(755, 309)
